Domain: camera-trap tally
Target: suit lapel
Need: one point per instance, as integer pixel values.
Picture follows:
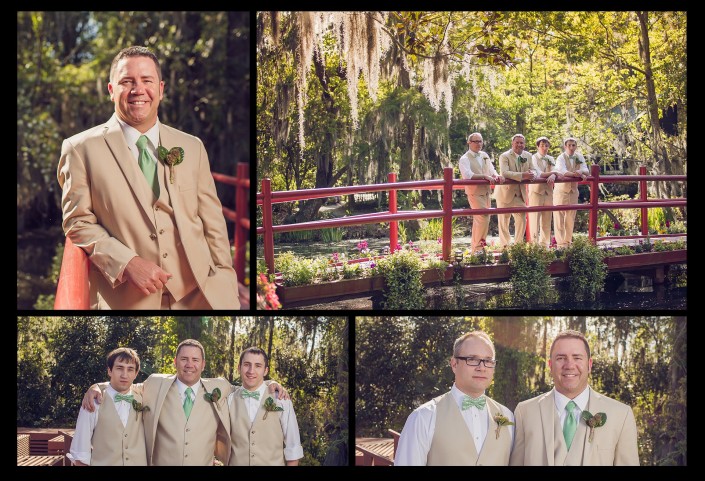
(124, 158)
(208, 387)
(548, 414)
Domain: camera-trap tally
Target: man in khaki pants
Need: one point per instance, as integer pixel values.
(513, 164)
(463, 427)
(550, 429)
(568, 164)
(185, 424)
(264, 430)
(542, 194)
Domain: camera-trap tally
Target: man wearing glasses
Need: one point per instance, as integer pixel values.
(463, 427)
(477, 165)
(572, 425)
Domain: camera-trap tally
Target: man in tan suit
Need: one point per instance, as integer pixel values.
(542, 194)
(513, 164)
(263, 432)
(476, 164)
(463, 427)
(154, 233)
(184, 424)
(114, 434)
(568, 164)
(550, 430)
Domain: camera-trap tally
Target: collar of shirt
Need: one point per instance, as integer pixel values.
(112, 392)
(131, 135)
(182, 389)
(458, 395)
(581, 400)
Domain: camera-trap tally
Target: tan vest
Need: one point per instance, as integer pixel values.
(452, 443)
(185, 443)
(260, 443)
(542, 189)
(109, 430)
(167, 243)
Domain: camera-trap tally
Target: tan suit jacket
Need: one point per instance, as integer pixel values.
(154, 393)
(511, 167)
(539, 440)
(109, 210)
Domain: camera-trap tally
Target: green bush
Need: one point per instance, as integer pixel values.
(296, 271)
(403, 288)
(334, 234)
(530, 279)
(587, 270)
(351, 271)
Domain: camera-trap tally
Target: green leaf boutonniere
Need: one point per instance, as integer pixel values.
(269, 406)
(138, 407)
(501, 421)
(213, 396)
(521, 159)
(593, 422)
(549, 161)
(172, 158)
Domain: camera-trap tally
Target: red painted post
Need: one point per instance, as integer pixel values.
(447, 212)
(267, 224)
(72, 288)
(643, 196)
(394, 225)
(242, 212)
(594, 197)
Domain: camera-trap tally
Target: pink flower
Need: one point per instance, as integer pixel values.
(372, 265)
(617, 226)
(440, 241)
(668, 224)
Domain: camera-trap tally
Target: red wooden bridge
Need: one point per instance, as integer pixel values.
(72, 288)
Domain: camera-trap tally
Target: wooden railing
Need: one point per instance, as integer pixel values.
(266, 198)
(72, 287)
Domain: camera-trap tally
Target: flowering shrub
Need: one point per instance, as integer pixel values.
(267, 298)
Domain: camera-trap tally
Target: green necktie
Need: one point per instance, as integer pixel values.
(245, 394)
(188, 402)
(147, 165)
(518, 162)
(479, 402)
(570, 425)
(124, 397)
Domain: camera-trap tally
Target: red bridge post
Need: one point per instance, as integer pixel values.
(393, 225)
(267, 224)
(594, 198)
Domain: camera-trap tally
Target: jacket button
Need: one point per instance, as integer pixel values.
(164, 255)
(161, 231)
(152, 236)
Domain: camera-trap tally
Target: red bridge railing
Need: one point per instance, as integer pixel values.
(72, 288)
(266, 198)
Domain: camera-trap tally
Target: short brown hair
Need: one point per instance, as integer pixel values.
(568, 334)
(125, 354)
(135, 51)
(254, 350)
(479, 334)
(191, 342)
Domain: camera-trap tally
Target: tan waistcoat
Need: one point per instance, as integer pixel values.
(185, 443)
(561, 455)
(115, 444)
(260, 443)
(452, 443)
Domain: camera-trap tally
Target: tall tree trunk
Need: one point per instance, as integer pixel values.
(233, 355)
(271, 337)
(672, 446)
(662, 163)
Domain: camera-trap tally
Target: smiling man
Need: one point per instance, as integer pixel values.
(551, 429)
(463, 427)
(264, 430)
(151, 224)
(113, 435)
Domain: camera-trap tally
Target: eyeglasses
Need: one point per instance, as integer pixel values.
(475, 361)
(476, 141)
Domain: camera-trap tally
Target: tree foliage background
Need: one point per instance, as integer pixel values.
(345, 97)
(63, 63)
(640, 361)
(58, 358)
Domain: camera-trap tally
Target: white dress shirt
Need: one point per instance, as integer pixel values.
(182, 390)
(290, 427)
(132, 135)
(417, 435)
(81, 445)
(579, 168)
(581, 401)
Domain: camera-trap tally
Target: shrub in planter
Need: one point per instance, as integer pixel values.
(402, 274)
(587, 270)
(530, 279)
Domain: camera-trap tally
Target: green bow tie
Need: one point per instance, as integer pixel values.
(124, 397)
(245, 394)
(479, 403)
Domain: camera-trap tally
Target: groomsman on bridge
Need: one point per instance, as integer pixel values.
(514, 164)
(542, 194)
(569, 164)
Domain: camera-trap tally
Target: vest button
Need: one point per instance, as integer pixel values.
(253, 444)
(125, 435)
(156, 208)
(186, 455)
(152, 236)
(164, 255)
(161, 231)
(186, 443)
(253, 432)
(252, 455)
